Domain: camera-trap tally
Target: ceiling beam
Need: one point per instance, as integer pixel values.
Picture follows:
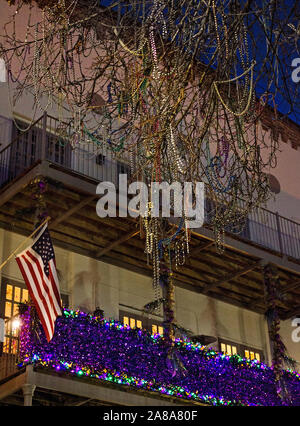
(199, 248)
(229, 277)
(292, 313)
(292, 285)
(115, 243)
(71, 211)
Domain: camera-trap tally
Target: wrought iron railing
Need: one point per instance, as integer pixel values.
(51, 140)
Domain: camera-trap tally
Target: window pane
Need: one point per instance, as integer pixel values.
(247, 354)
(17, 296)
(13, 346)
(7, 327)
(25, 295)
(139, 324)
(228, 349)
(9, 292)
(125, 320)
(223, 348)
(257, 356)
(8, 306)
(251, 355)
(132, 323)
(154, 329)
(161, 330)
(15, 309)
(6, 345)
(233, 350)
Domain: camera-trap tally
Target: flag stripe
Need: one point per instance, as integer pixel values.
(43, 288)
(37, 265)
(55, 286)
(46, 285)
(22, 265)
(38, 295)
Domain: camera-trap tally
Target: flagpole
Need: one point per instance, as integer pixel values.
(26, 239)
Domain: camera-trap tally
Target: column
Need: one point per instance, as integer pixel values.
(28, 391)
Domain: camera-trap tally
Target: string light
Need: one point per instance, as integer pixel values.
(106, 350)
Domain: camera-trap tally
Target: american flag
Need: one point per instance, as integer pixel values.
(37, 265)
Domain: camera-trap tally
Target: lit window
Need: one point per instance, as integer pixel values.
(154, 329)
(17, 296)
(15, 309)
(131, 321)
(8, 306)
(231, 348)
(25, 297)
(9, 292)
(14, 295)
(161, 330)
(228, 349)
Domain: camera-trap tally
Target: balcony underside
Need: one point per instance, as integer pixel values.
(53, 389)
(234, 276)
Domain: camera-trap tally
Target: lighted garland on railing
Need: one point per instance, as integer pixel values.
(106, 350)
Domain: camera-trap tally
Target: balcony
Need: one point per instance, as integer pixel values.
(51, 141)
(105, 352)
(46, 149)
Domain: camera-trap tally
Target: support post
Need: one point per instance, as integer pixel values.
(44, 137)
(279, 233)
(28, 391)
(278, 350)
(169, 307)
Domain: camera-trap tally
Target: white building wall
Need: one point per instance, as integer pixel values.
(91, 283)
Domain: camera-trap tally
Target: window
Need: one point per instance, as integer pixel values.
(123, 169)
(12, 294)
(131, 321)
(100, 159)
(157, 329)
(231, 348)
(139, 321)
(252, 354)
(64, 300)
(228, 349)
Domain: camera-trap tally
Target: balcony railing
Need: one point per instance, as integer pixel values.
(50, 140)
(9, 350)
(106, 351)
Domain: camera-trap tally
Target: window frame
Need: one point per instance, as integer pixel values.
(241, 348)
(11, 337)
(3, 291)
(147, 323)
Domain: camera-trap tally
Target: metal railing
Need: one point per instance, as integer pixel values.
(50, 139)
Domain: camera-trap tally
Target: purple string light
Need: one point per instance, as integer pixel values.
(109, 351)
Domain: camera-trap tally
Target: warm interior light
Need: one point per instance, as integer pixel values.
(16, 324)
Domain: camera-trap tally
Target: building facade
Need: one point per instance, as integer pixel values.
(102, 264)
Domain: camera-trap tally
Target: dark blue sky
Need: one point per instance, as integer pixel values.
(271, 36)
